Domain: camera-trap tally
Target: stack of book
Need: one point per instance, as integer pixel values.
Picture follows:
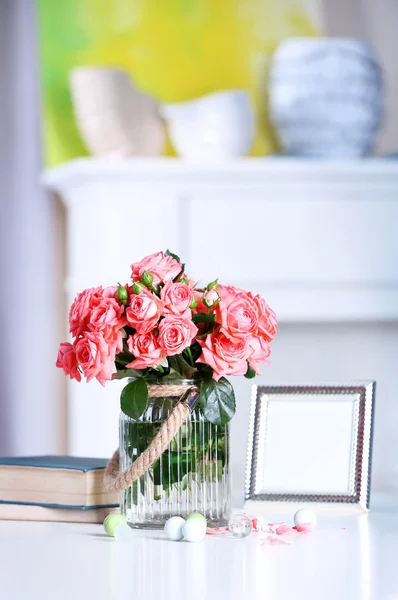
(54, 488)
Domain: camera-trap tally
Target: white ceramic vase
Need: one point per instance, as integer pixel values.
(113, 117)
(325, 97)
(218, 126)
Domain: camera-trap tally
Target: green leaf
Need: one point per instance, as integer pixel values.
(250, 373)
(213, 285)
(172, 374)
(202, 336)
(204, 318)
(122, 373)
(179, 364)
(196, 351)
(217, 401)
(171, 467)
(124, 358)
(180, 273)
(175, 256)
(133, 398)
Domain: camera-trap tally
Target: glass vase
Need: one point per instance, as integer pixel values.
(192, 475)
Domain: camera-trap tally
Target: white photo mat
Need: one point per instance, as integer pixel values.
(311, 444)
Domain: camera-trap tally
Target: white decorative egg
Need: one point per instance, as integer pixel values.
(194, 530)
(174, 528)
(304, 516)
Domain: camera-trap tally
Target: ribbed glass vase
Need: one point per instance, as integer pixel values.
(192, 475)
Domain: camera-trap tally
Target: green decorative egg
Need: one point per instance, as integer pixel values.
(111, 522)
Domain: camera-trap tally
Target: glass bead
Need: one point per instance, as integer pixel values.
(240, 526)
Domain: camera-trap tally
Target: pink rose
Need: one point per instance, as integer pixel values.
(146, 350)
(81, 308)
(260, 353)
(144, 311)
(237, 313)
(86, 302)
(176, 297)
(227, 290)
(67, 361)
(110, 291)
(176, 334)
(95, 358)
(107, 317)
(114, 340)
(161, 267)
(267, 323)
(224, 355)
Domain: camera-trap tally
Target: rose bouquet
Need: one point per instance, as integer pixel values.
(163, 326)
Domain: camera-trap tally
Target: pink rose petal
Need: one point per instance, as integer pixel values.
(257, 523)
(272, 541)
(284, 530)
(217, 531)
(304, 528)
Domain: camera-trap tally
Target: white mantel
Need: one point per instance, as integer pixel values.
(317, 238)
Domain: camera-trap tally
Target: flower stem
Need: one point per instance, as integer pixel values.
(189, 353)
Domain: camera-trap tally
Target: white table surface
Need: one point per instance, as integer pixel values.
(56, 561)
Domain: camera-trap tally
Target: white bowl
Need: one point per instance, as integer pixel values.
(217, 126)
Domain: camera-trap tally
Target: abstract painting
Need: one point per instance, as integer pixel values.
(173, 49)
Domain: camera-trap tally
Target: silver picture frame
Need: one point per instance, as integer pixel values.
(312, 444)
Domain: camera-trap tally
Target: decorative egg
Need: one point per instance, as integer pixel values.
(112, 521)
(304, 516)
(194, 530)
(173, 528)
(196, 515)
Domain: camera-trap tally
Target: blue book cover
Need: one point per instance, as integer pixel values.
(76, 463)
(74, 506)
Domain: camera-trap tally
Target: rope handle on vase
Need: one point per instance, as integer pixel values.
(116, 481)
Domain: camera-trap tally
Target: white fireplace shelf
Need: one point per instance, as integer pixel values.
(317, 238)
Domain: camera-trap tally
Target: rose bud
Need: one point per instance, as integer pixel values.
(138, 287)
(194, 303)
(147, 278)
(213, 285)
(210, 298)
(122, 294)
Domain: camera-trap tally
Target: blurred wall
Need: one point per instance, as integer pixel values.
(31, 410)
(377, 22)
